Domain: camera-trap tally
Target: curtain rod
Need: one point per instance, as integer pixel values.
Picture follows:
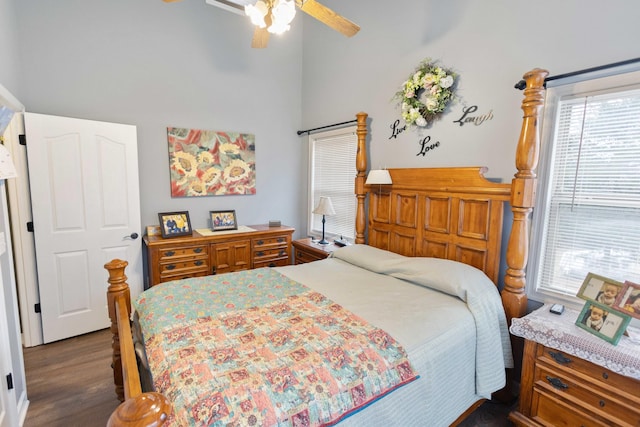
(522, 84)
(308, 131)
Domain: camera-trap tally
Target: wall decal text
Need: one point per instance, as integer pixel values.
(467, 116)
(396, 129)
(425, 146)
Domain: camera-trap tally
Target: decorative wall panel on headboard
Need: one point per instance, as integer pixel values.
(452, 213)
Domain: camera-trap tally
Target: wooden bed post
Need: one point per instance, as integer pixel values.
(138, 409)
(361, 167)
(523, 193)
(117, 287)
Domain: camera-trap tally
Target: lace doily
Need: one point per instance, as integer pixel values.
(561, 333)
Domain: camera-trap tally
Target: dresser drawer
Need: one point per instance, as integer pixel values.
(281, 262)
(585, 393)
(181, 274)
(268, 254)
(597, 374)
(548, 411)
(166, 254)
(270, 242)
(302, 256)
(189, 264)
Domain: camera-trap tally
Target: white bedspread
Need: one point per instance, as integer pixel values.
(438, 328)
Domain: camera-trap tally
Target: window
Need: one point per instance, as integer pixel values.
(332, 172)
(587, 216)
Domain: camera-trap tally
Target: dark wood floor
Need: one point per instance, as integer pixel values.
(70, 383)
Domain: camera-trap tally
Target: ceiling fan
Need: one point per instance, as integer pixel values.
(274, 16)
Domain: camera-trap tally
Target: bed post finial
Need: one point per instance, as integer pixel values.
(117, 286)
(361, 168)
(523, 192)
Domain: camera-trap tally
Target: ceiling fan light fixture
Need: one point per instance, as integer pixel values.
(257, 12)
(284, 11)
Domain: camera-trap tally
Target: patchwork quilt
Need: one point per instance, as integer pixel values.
(257, 348)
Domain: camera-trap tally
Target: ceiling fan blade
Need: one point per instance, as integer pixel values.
(260, 38)
(328, 17)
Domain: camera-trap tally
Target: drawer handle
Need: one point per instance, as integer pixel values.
(169, 253)
(260, 242)
(560, 358)
(557, 383)
(281, 239)
(605, 375)
(282, 252)
(601, 403)
(272, 264)
(170, 267)
(199, 262)
(197, 250)
(259, 253)
(213, 270)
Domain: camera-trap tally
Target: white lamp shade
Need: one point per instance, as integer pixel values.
(325, 207)
(257, 13)
(378, 176)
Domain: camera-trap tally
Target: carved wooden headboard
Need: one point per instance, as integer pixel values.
(452, 213)
(456, 213)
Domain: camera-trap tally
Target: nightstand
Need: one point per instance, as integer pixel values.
(305, 250)
(571, 378)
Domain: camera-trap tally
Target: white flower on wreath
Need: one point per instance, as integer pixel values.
(426, 94)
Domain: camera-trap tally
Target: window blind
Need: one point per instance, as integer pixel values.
(333, 172)
(592, 208)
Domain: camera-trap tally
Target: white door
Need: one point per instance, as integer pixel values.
(86, 211)
(8, 404)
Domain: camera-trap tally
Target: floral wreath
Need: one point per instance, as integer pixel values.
(426, 93)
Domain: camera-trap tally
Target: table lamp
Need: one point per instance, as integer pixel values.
(325, 207)
(378, 176)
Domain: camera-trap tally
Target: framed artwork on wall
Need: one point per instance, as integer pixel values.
(211, 163)
(223, 220)
(175, 224)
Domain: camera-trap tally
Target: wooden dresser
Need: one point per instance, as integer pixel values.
(304, 250)
(199, 255)
(561, 389)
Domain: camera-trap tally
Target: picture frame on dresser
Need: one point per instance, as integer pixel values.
(628, 300)
(603, 321)
(223, 220)
(174, 224)
(600, 289)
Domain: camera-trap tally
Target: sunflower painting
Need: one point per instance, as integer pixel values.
(210, 163)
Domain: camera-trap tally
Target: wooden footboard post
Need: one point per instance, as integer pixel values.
(523, 193)
(361, 168)
(138, 409)
(117, 286)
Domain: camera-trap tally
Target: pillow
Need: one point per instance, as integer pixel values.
(451, 277)
(444, 275)
(368, 257)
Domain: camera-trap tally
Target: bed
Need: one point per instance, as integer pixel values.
(430, 340)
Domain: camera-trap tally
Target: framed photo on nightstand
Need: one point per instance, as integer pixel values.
(600, 289)
(603, 321)
(628, 300)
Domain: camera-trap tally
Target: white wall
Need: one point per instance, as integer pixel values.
(9, 69)
(491, 44)
(154, 64)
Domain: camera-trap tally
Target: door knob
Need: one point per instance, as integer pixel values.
(132, 236)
